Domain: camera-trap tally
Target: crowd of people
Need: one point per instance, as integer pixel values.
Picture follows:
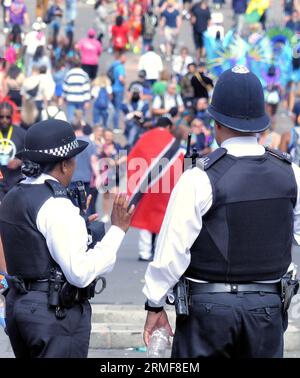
(47, 72)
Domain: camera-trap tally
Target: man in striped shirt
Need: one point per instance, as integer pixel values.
(76, 90)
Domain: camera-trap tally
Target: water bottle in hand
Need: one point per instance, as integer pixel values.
(158, 343)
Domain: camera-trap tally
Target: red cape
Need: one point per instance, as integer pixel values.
(151, 205)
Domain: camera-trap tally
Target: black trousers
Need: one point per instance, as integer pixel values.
(34, 330)
(228, 325)
(91, 70)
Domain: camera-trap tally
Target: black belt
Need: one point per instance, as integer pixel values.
(197, 287)
(37, 286)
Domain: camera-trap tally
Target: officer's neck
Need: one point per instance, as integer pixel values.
(223, 134)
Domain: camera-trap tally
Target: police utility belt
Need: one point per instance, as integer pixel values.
(287, 287)
(61, 294)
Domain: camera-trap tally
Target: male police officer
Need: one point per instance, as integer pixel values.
(228, 229)
(45, 242)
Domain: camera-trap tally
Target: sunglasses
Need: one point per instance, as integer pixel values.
(4, 116)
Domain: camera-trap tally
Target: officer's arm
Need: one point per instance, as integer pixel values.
(189, 201)
(65, 232)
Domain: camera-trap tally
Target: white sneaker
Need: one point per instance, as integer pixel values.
(117, 131)
(105, 218)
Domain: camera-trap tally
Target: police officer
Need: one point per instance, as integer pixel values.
(45, 242)
(228, 230)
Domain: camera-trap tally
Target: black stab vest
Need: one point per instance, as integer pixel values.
(25, 248)
(247, 233)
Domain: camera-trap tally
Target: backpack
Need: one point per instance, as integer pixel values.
(149, 26)
(102, 100)
(111, 74)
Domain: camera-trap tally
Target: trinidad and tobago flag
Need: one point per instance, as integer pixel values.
(154, 166)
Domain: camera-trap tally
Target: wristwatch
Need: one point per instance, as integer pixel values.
(153, 309)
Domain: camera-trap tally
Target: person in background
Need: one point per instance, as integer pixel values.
(119, 34)
(86, 163)
(18, 14)
(136, 111)
(90, 50)
(200, 20)
(149, 24)
(239, 9)
(163, 104)
(11, 142)
(33, 39)
(118, 86)
(290, 140)
(169, 26)
(151, 62)
(54, 18)
(101, 21)
(187, 90)
(71, 14)
(53, 111)
(110, 172)
(14, 82)
(76, 90)
(202, 137)
(40, 59)
(201, 82)
(201, 111)
(181, 62)
(102, 95)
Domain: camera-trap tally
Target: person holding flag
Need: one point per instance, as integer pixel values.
(154, 166)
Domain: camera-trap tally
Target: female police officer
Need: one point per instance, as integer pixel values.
(43, 234)
(228, 229)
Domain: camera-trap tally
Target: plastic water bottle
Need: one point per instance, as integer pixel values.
(159, 341)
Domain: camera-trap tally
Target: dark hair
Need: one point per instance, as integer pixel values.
(39, 53)
(76, 126)
(163, 122)
(6, 105)
(119, 20)
(98, 3)
(43, 69)
(14, 71)
(32, 169)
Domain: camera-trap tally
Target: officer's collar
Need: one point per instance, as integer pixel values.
(240, 140)
(243, 146)
(39, 180)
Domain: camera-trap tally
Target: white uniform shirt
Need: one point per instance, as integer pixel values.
(65, 232)
(189, 202)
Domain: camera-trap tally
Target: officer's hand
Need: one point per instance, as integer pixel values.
(121, 216)
(154, 321)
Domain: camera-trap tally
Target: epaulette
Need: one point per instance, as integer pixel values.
(209, 160)
(280, 155)
(57, 188)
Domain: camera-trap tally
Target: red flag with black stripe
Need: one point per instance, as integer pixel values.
(154, 166)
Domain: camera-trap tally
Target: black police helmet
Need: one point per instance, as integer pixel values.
(238, 101)
(51, 141)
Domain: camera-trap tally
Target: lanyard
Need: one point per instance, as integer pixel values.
(9, 134)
